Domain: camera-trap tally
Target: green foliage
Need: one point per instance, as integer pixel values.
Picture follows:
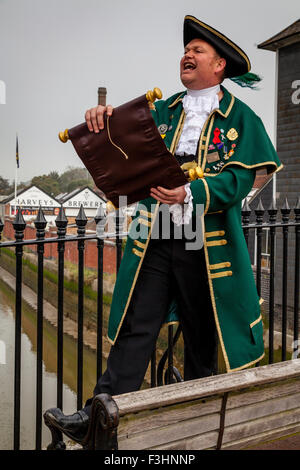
(54, 184)
(47, 184)
(5, 187)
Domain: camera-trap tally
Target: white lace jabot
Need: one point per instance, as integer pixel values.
(197, 105)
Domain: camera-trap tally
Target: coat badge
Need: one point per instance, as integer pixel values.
(232, 134)
(212, 157)
(162, 128)
(216, 139)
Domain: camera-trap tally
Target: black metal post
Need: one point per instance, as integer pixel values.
(246, 212)
(259, 212)
(297, 275)
(40, 225)
(81, 221)
(19, 227)
(285, 212)
(100, 220)
(272, 211)
(170, 355)
(61, 223)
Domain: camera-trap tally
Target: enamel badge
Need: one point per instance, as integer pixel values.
(162, 128)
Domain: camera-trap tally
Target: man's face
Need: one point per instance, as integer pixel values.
(201, 66)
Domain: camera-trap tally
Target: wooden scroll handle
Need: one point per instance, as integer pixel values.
(150, 95)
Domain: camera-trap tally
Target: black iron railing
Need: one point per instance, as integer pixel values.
(164, 372)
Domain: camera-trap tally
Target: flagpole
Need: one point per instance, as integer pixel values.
(16, 174)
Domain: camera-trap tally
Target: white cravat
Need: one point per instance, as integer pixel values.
(197, 105)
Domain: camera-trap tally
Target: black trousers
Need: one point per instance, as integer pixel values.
(168, 270)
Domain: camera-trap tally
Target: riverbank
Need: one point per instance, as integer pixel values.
(50, 314)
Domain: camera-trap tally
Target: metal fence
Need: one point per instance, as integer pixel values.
(159, 374)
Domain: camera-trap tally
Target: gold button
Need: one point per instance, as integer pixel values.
(207, 170)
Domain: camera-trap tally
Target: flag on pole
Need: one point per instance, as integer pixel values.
(17, 152)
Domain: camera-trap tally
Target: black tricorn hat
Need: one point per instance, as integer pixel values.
(237, 61)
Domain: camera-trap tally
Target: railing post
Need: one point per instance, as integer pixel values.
(100, 220)
(40, 225)
(297, 274)
(61, 224)
(259, 212)
(1, 230)
(285, 212)
(272, 211)
(246, 212)
(81, 221)
(19, 227)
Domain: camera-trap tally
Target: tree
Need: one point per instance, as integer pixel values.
(5, 187)
(47, 184)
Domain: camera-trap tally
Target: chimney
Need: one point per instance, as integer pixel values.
(102, 96)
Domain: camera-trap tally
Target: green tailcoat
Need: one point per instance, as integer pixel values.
(232, 145)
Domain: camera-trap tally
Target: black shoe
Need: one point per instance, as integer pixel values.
(74, 426)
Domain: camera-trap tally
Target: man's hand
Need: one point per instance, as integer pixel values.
(94, 117)
(169, 196)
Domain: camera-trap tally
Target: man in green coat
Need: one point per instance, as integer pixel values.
(209, 287)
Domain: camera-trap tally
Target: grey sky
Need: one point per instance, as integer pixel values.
(55, 53)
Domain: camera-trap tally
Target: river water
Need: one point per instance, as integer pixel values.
(28, 372)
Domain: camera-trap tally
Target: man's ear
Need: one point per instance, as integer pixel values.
(221, 64)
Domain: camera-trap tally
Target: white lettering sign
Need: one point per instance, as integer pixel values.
(296, 94)
(2, 92)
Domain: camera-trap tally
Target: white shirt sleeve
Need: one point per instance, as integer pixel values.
(182, 213)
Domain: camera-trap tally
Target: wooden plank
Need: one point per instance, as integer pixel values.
(195, 389)
(245, 433)
(264, 393)
(182, 434)
(167, 434)
(258, 410)
(151, 419)
(264, 424)
(205, 441)
(137, 422)
(245, 444)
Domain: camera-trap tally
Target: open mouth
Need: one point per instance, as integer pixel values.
(189, 66)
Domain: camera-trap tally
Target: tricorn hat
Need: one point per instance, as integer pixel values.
(237, 61)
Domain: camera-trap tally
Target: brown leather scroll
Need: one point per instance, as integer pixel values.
(127, 157)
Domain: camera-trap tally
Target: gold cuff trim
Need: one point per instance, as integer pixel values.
(217, 243)
(144, 222)
(217, 212)
(256, 321)
(219, 233)
(226, 264)
(261, 301)
(140, 244)
(222, 274)
(146, 214)
(137, 252)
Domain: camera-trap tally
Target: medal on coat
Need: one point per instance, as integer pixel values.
(162, 128)
(232, 134)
